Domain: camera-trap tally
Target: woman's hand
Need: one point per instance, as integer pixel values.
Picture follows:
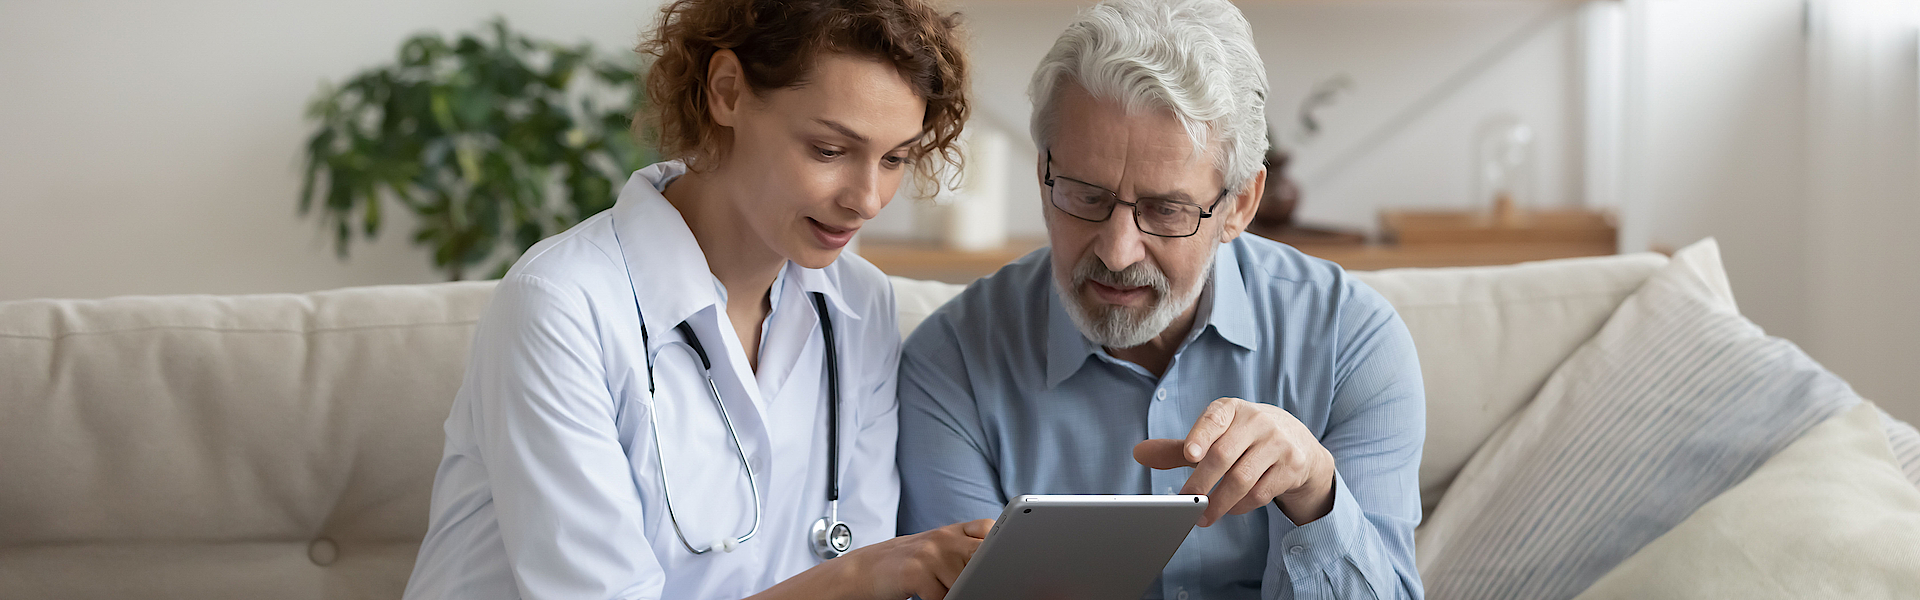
(923, 564)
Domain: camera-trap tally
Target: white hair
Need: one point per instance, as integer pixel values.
(1192, 57)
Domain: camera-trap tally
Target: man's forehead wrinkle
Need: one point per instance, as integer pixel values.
(1134, 153)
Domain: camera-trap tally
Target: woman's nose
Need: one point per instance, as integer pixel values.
(867, 194)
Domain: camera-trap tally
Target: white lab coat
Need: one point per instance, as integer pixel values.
(549, 486)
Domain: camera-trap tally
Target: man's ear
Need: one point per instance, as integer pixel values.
(1245, 205)
(726, 85)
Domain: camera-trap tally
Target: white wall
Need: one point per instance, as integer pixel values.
(154, 147)
(1719, 145)
(1396, 52)
(1400, 118)
(1863, 258)
(1801, 162)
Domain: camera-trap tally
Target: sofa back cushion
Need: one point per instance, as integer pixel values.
(1488, 337)
(273, 446)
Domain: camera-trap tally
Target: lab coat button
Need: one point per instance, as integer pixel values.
(323, 552)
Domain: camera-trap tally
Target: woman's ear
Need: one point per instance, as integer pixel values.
(726, 84)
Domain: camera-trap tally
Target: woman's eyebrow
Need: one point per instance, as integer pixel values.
(843, 130)
(848, 131)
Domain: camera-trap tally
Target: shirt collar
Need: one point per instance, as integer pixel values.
(818, 280)
(1067, 348)
(1230, 315)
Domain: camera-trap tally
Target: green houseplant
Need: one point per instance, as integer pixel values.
(492, 141)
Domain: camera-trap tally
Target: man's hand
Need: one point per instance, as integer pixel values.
(1244, 455)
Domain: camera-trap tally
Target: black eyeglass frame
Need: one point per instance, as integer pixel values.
(1206, 212)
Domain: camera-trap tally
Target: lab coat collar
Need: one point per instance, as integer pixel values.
(817, 280)
(1229, 314)
(670, 276)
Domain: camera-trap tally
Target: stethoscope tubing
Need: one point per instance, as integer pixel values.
(823, 547)
(653, 421)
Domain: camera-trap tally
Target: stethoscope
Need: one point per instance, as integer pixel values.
(830, 537)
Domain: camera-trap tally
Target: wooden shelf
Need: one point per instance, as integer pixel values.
(1374, 257)
(928, 260)
(1426, 239)
(1557, 226)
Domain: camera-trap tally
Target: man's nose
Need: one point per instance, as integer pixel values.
(1120, 243)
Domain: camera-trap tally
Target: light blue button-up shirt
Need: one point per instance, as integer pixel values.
(1000, 395)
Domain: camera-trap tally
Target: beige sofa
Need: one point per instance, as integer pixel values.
(283, 446)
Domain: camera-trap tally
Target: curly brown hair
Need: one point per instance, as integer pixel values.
(777, 42)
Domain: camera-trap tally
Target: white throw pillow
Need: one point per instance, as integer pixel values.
(1675, 400)
(1828, 517)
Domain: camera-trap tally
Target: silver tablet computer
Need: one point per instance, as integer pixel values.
(1077, 547)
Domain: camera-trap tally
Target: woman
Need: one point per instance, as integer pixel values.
(691, 395)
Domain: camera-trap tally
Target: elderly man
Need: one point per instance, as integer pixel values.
(1153, 348)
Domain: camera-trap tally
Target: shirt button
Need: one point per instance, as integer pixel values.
(1160, 395)
(1180, 596)
(1296, 550)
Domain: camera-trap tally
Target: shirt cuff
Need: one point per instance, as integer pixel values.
(1318, 558)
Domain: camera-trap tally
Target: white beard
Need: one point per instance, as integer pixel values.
(1118, 327)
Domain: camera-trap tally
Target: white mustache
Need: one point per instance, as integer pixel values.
(1135, 275)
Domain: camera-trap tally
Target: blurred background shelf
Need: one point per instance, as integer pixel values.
(929, 260)
(1421, 239)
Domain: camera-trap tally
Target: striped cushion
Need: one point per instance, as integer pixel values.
(1905, 441)
(1677, 399)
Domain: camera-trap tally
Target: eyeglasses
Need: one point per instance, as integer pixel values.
(1160, 217)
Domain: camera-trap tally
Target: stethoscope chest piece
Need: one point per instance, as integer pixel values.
(831, 538)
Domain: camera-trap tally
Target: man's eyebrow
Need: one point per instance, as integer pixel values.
(848, 131)
(1175, 195)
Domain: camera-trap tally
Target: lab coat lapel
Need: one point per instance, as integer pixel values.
(672, 283)
(793, 302)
